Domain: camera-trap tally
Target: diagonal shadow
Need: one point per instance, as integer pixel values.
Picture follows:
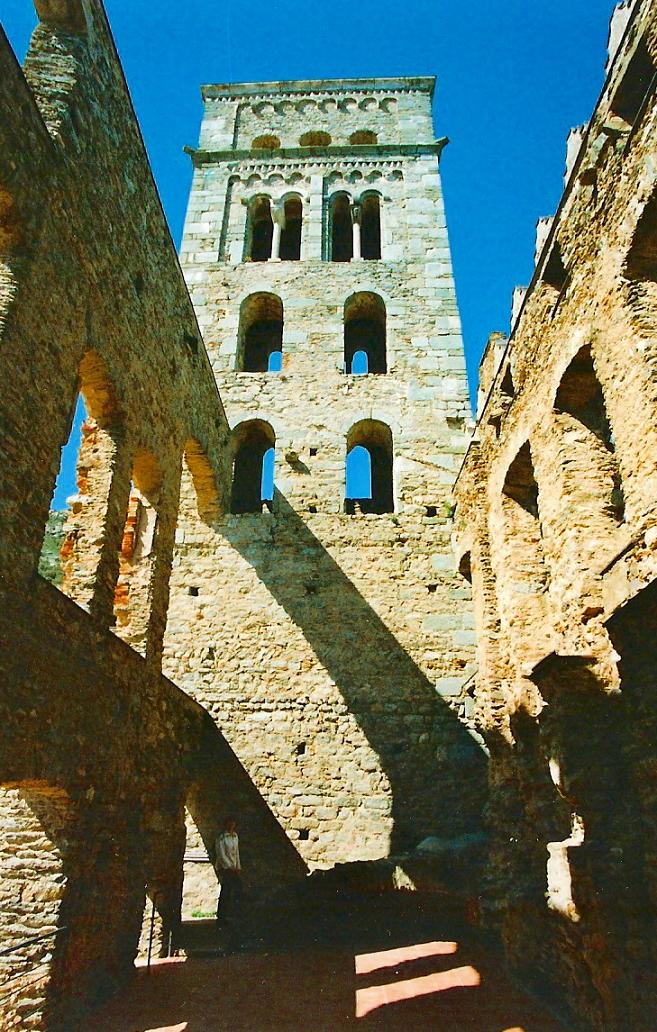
(437, 773)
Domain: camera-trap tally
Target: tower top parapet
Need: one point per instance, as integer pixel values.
(403, 84)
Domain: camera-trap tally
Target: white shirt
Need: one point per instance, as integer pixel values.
(227, 852)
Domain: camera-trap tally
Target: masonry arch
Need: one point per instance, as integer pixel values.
(340, 228)
(253, 445)
(370, 225)
(362, 137)
(260, 229)
(36, 818)
(96, 410)
(260, 332)
(592, 479)
(290, 245)
(266, 142)
(369, 466)
(640, 270)
(208, 504)
(523, 576)
(315, 138)
(365, 330)
(137, 556)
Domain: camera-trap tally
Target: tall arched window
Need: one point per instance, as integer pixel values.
(369, 485)
(365, 331)
(253, 466)
(290, 247)
(340, 229)
(591, 473)
(370, 226)
(260, 230)
(260, 334)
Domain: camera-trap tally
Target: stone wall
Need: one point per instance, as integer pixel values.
(99, 753)
(555, 524)
(335, 651)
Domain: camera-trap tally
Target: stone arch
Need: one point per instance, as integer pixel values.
(592, 476)
(290, 246)
(640, 270)
(341, 244)
(365, 330)
(266, 142)
(260, 229)
(260, 332)
(36, 818)
(523, 577)
(362, 137)
(370, 224)
(315, 138)
(132, 594)
(251, 440)
(85, 527)
(208, 504)
(375, 437)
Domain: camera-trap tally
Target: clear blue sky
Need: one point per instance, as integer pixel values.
(513, 77)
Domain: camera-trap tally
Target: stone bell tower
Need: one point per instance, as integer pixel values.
(321, 621)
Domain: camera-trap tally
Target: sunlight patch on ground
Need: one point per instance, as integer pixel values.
(377, 996)
(368, 962)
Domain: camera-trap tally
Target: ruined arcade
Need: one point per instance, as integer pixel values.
(293, 583)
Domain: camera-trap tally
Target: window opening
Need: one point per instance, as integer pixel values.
(631, 93)
(315, 139)
(253, 467)
(369, 487)
(370, 227)
(342, 237)
(261, 230)
(290, 247)
(365, 331)
(266, 142)
(260, 334)
(363, 136)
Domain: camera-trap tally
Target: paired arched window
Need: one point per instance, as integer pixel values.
(369, 486)
(365, 334)
(260, 230)
(253, 445)
(363, 136)
(260, 334)
(266, 142)
(354, 228)
(315, 139)
(274, 232)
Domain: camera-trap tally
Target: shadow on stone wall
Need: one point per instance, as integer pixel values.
(437, 772)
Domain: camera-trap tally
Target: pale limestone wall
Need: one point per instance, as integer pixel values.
(335, 651)
(563, 571)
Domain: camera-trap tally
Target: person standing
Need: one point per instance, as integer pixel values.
(229, 872)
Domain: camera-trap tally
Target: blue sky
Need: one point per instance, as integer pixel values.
(513, 77)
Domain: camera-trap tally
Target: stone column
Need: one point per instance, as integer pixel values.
(278, 218)
(355, 229)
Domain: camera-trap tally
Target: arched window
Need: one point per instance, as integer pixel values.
(315, 139)
(290, 249)
(363, 136)
(369, 468)
(73, 543)
(592, 475)
(340, 229)
(253, 466)
(260, 334)
(260, 230)
(132, 594)
(370, 226)
(365, 331)
(523, 573)
(266, 142)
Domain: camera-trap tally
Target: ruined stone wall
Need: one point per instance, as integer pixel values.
(555, 524)
(99, 754)
(334, 650)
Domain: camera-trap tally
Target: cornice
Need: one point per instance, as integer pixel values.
(363, 153)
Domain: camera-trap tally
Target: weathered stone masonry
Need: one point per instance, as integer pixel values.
(334, 650)
(555, 524)
(99, 753)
